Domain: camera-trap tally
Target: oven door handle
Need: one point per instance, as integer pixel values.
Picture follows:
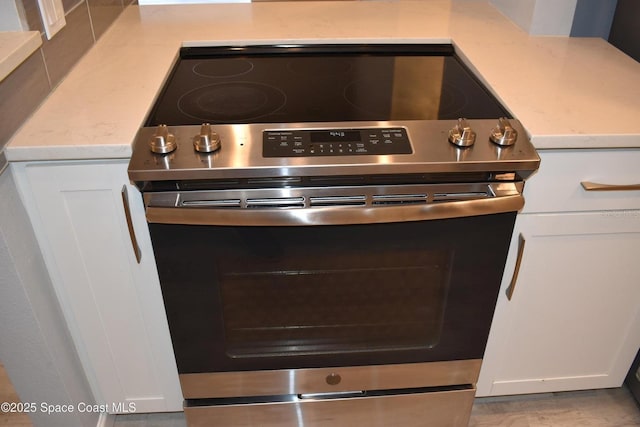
(342, 215)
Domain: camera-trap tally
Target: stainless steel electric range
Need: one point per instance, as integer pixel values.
(330, 225)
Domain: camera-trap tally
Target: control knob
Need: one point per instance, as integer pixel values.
(462, 135)
(503, 134)
(162, 142)
(207, 141)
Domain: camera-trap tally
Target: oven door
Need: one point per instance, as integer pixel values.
(272, 297)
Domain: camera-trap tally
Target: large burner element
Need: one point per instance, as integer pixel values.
(231, 102)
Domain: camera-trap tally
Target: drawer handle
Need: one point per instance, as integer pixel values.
(132, 234)
(516, 270)
(594, 186)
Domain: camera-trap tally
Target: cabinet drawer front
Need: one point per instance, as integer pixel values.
(559, 185)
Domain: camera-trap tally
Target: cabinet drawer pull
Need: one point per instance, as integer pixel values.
(594, 186)
(132, 233)
(516, 270)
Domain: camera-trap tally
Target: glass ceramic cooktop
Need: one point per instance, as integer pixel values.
(321, 83)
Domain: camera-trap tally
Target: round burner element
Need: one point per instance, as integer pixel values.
(223, 68)
(370, 96)
(231, 102)
(378, 103)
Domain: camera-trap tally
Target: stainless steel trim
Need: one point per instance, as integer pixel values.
(241, 154)
(132, 233)
(275, 201)
(338, 200)
(383, 199)
(450, 408)
(333, 215)
(594, 186)
(288, 207)
(314, 380)
(516, 270)
(213, 203)
(460, 196)
(338, 394)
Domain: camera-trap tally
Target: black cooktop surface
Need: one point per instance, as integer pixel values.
(321, 83)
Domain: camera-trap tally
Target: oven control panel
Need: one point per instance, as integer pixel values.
(335, 142)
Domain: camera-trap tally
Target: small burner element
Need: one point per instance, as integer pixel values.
(223, 68)
(375, 103)
(231, 102)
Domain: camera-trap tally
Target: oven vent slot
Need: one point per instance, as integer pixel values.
(338, 200)
(398, 199)
(276, 202)
(219, 203)
(274, 182)
(457, 197)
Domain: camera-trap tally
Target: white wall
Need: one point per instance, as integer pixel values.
(520, 12)
(35, 345)
(540, 17)
(9, 16)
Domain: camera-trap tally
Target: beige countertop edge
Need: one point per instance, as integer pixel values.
(68, 153)
(15, 47)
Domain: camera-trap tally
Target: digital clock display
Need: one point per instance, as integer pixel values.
(335, 136)
(373, 141)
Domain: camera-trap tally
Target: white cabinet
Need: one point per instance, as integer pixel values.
(573, 321)
(112, 303)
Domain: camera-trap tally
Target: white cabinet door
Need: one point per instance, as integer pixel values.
(573, 321)
(112, 303)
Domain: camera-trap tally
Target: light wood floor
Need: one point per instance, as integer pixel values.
(593, 408)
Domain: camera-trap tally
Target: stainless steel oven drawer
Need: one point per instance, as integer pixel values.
(433, 409)
(329, 380)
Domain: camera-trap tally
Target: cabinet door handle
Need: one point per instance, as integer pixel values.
(132, 233)
(594, 186)
(516, 270)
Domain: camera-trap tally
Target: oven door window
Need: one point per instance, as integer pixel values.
(299, 297)
(240, 298)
